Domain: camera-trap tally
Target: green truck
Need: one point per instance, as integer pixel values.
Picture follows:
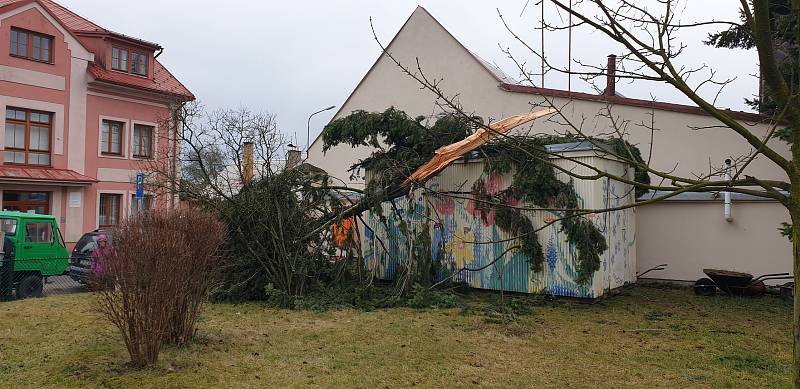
(38, 252)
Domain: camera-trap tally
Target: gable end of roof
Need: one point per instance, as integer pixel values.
(495, 73)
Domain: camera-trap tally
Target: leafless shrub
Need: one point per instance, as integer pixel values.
(158, 272)
(195, 270)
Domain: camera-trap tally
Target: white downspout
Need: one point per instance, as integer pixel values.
(727, 195)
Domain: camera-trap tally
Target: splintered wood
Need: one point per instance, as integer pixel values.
(445, 155)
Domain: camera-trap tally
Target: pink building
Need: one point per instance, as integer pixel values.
(85, 109)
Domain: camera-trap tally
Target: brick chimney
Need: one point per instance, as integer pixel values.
(293, 158)
(247, 161)
(611, 76)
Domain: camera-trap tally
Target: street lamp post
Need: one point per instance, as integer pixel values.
(308, 127)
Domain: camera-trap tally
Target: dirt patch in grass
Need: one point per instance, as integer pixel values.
(642, 337)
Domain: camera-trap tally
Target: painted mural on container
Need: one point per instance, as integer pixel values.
(463, 238)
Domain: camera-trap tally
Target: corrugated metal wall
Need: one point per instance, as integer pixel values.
(462, 238)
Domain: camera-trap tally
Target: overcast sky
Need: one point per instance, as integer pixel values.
(292, 58)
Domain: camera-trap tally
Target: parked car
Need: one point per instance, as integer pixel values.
(80, 268)
(39, 250)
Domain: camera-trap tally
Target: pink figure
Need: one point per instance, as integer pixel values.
(100, 255)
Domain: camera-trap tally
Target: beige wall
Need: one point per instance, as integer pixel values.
(676, 145)
(692, 236)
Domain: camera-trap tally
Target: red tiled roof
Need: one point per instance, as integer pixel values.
(43, 175)
(80, 25)
(163, 81)
(69, 19)
(4, 3)
(692, 109)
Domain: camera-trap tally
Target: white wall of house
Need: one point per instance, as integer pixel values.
(691, 236)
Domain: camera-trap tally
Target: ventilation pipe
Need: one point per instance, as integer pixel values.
(247, 161)
(611, 76)
(727, 195)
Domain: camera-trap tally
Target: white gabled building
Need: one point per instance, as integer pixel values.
(688, 233)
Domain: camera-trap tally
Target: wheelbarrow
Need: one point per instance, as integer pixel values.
(734, 283)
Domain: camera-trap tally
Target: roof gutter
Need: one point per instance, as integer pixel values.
(160, 50)
(44, 181)
(751, 117)
(105, 34)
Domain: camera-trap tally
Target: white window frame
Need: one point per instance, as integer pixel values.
(124, 147)
(154, 144)
(57, 119)
(124, 206)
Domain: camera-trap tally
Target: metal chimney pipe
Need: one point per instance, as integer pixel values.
(727, 195)
(247, 161)
(611, 74)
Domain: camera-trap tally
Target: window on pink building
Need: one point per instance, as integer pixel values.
(109, 214)
(28, 135)
(111, 138)
(142, 141)
(147, 204)
(128, 61)
(138, 64)
(31, 45)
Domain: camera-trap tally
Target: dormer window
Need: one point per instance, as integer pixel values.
(31, 45)
(128, 61)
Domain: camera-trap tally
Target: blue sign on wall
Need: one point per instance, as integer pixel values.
(139, 185)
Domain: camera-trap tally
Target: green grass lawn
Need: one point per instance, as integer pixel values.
(686, 341)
